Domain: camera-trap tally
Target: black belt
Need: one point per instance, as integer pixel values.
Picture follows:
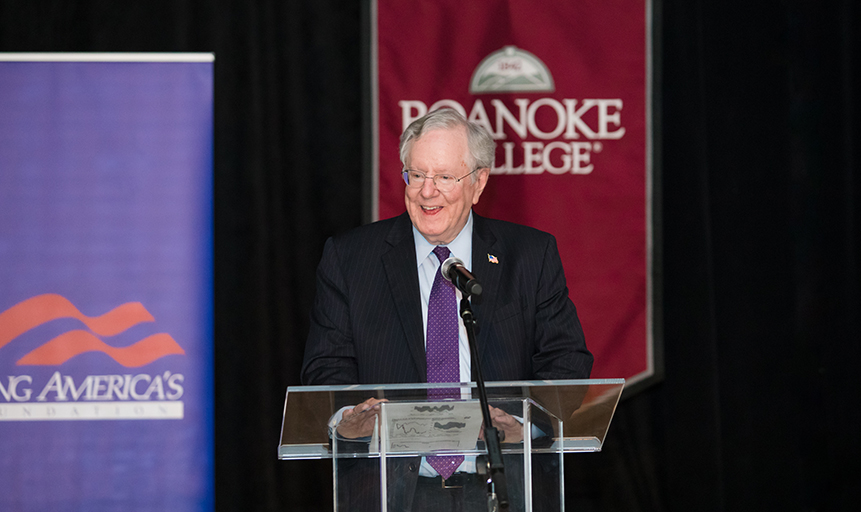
(455, 481)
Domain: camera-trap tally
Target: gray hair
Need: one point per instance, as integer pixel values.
(481, 146)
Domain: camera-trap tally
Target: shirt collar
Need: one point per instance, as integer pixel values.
(460, 247)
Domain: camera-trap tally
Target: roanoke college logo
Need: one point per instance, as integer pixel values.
(41, 309)
(87, 397)
(511, 70)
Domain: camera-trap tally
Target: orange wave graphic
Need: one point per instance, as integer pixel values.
(41, 309)
(73, 343)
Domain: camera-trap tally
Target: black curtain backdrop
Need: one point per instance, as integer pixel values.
(760, 407)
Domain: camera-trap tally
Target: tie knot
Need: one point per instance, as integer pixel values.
(441, 252)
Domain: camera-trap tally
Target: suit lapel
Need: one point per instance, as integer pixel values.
(400, 266)
(488, 274)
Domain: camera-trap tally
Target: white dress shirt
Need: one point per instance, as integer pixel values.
(427, 264)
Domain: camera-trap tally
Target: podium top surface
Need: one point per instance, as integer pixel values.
(472, 385)
(575, 414)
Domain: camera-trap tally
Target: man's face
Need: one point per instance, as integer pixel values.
(438, 216)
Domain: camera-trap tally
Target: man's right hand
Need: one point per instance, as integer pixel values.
(359, 421)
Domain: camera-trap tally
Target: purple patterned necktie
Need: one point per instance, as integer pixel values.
(443, 358)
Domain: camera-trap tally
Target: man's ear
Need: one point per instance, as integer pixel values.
(483, 175)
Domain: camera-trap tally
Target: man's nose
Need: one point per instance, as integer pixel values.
(429, 188)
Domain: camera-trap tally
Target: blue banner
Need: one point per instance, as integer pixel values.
(106, 285)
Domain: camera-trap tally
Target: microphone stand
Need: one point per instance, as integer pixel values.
(497, 489)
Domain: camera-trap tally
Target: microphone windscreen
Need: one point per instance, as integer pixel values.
(446, 266)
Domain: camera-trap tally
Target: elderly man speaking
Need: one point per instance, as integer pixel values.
(383, 314)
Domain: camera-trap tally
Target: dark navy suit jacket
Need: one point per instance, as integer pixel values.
(366, 324)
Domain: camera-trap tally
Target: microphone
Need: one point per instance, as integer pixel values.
(454, 271)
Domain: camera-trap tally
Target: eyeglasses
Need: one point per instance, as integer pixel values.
(443, 182)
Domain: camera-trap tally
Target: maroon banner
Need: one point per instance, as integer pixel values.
(563, 87)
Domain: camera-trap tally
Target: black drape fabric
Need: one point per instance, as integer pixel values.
(760, 399)
(758, 113)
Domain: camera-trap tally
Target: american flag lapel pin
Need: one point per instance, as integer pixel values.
(492, 259)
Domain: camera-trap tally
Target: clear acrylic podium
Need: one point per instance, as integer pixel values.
(380, 472)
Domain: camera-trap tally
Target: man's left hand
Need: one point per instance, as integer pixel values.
(510, 429)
